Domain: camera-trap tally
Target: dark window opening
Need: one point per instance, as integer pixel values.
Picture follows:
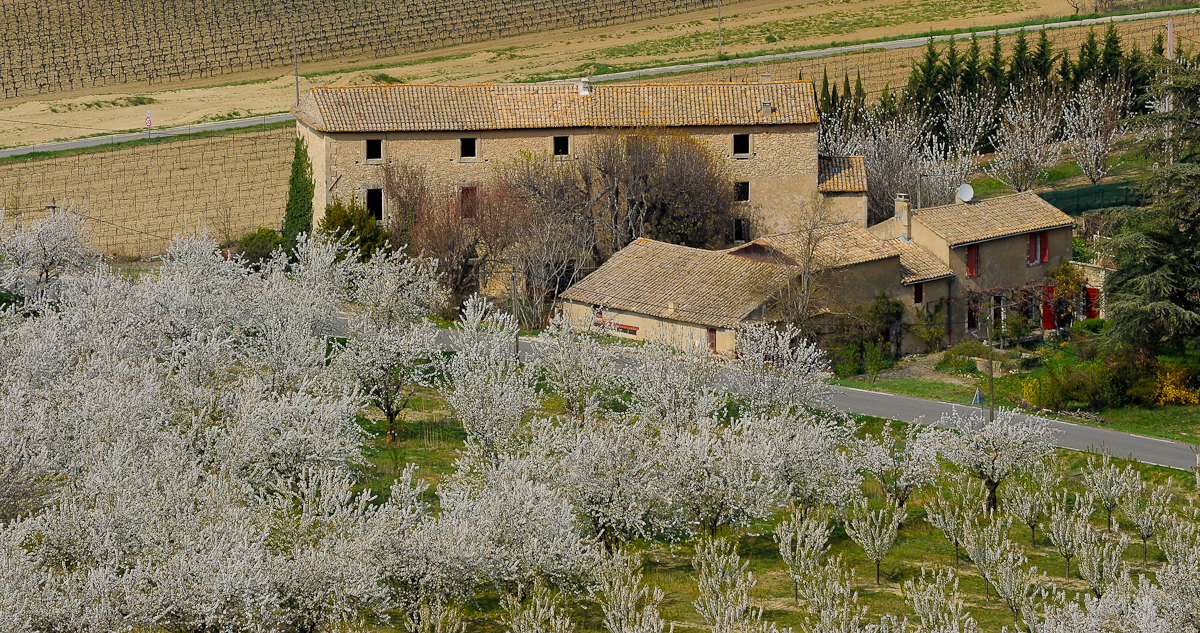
(712, 339)
(741, 230)
(972, 315)
(562, 146)
(375, 203)
(741, 143)
(918, 293)
(743, 192)
(467, 148)
(468, 201)
(374, 149)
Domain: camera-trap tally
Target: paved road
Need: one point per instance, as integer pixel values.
(1148, 450)
(632, 74)
(889, 45)
(134, 136)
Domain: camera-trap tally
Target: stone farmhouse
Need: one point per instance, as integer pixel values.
(947, 256)
(766, 131)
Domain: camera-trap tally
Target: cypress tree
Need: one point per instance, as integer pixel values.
(972, 70)
(1110, 57)
(1089, 59)
(847, 94)
(860, 96)
(1159, 48)
(297, 218)
(887, 101)
(994, 70)
(925, 72)
(1137, 74)
(1019, 63)
(951, 71)
(1043, 56)
(1065, 69)
(826, 104)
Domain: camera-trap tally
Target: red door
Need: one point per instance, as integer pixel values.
(1093, 303)
(1048, 308)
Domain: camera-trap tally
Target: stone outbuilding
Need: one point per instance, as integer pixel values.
(940, 258)
(766, 132)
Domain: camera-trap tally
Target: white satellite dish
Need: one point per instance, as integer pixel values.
(966, 192)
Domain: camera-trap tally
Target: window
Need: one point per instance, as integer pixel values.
(1039, 247)
(468, 148)
(973, 260)
(468, 200)
(375, 203)
(742, 194)
(973, 314)
(562, 146)
(712, 339)
(918, 293)
(741, 144)
(374, 149)
(741, 230)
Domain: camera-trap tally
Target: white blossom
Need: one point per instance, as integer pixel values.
(1027, 137)
(628, 605)
(994, 450)
(777, 370)
(1108, 483)
(904, 463)
(875, 532)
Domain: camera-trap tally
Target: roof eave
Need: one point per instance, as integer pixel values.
(1000, 237)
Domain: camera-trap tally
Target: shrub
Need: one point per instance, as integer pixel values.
(1172, 387)
(1091, 326)
(959, 357)
(354, 224)
(848, 360)
(257, 246)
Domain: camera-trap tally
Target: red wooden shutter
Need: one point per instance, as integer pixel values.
(1044, 236)
(1048, 322)
(972, 260)
(1032, 256)
(1093, 298)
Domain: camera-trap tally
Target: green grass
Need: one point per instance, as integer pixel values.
(928, 389)
(432, 438)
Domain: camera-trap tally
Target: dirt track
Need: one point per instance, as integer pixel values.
(664, 40)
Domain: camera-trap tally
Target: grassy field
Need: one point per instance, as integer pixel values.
(431, 438)
(138, 195)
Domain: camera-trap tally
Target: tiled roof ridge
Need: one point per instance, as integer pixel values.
(999, 217)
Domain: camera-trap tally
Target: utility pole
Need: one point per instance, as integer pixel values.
(512, 266)
(720, 39)
(295, 61)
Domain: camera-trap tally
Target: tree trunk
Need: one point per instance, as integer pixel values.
(1143, 552)
(1067, 576)
(796, 591)
(1109, 511)
(991, 493)
(1033, 535)
(877, 565)
(987, 594)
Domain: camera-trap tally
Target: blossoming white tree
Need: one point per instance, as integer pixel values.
(1093, 120)
(1027, 137)
(875, 532)
(994, 450)
(903, 463)
(1109, 483)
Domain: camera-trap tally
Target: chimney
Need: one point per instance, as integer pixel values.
(765, 78)
(904, 212)
(670, 308)
(585, 87)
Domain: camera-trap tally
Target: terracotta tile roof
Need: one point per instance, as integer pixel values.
(841, 174)
(708, 288)
(918, 264)
(989, 219)
(838, 245)
(415, 107)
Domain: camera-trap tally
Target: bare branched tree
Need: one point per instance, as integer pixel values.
(1094, 122)
(1027, 137)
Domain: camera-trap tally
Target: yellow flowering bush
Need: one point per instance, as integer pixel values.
(1029, 389)
(1173, 388)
